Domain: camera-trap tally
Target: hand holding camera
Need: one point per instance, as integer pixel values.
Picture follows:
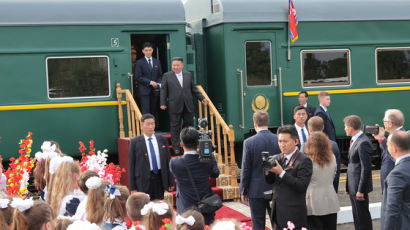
(271, 163)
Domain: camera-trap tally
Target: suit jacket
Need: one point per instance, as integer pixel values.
(144, 74)
(289, 192)
(395, 213)
(387, 161)
(359, 169)
(321, 198)
(175, 96)
(328, 123)
(139, 166)
(253, 181)
(185, 195)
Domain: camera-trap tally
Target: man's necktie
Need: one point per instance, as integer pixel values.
(180, 79)
(303, 135)
(327, 113)
(149, 62)
(351, 142)
(153, 156)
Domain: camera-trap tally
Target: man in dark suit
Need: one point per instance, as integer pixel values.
(310, 109)
(393, 120)
(253, 183)
(315, 124)
(291, 177)
(359, 172)
(395, 214)
(300, 116)
(201, 171)
(321, 111)
(148, 74)
(149, 158)
(176, 91)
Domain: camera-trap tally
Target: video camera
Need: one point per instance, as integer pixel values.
(268, 161)
(205, 143)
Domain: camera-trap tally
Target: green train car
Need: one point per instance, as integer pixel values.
(358, 51)
(60, 62)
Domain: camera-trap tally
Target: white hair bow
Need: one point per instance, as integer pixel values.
(159, 208)
(4, 203)
(55, 163)
(22, 205)
(181, 220)
(48, 147)
(94, 182)
(224, 225)
(83, 225)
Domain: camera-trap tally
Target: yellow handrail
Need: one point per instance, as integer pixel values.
(228, 135)
(133, 113)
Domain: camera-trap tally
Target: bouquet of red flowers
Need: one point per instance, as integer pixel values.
(20, 169)
(97, 162)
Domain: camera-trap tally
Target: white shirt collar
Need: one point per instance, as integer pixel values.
(146, 137)
(298, 127)
(146, 58)
(401, 158)
(290, 155)
(324, 108)
(354, 138)
(190, 153)
(179, 74)
(399, 128)
(305, 105)
(261, 130)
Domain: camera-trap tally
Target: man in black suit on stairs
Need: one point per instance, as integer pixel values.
(176, 94)
(149, 158)
(359, 173)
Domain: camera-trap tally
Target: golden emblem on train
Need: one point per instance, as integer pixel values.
(260, 102)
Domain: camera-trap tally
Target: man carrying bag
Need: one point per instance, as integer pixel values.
(193, 188)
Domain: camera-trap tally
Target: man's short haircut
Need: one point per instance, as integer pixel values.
(353, 121)
(304, 92)
(147, 116)
(147, 44)
(135, 203)
(299, 107)
(261, 118)
(401, 139)
(323, 94)
(316, 124)
(395, 116)
(177, 59)
(189, 137)
(289, 129)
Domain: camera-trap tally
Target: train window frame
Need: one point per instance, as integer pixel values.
(270, 61)
(81, 97)
(326, 85)
(388, 82)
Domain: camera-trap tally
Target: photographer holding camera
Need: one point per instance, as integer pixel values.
(290, 175)
(190, 165)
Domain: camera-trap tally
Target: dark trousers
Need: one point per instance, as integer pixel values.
(209, 218)
(336, 181)
(175, 119)
(156, 190)
(325, 222)
(361, 214)
(258, 212)
(149, 104)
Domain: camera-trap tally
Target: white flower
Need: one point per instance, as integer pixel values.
(22, 205)
(93, 182)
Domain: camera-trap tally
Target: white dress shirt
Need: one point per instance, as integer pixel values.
(156, 149)
(180, 78)
(299, 129)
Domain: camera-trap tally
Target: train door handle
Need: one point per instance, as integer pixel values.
(243, 94)
(130, 75)
(275, 80)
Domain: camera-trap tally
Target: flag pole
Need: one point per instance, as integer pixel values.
(288, 47)
(289, 32)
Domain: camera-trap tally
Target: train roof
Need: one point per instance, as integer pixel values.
(231, 11)
(90, 12)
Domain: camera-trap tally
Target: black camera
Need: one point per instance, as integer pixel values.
(371, 129)
(205, 143)
(268, 161)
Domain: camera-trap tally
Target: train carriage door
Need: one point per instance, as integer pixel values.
(258, 71)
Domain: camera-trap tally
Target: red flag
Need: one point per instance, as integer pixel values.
(293, 22)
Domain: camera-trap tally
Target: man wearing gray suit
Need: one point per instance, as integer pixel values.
(395, 212)
(176, 94)
(359, 172)
(253, 184)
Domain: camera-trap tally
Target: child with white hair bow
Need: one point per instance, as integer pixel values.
(158, 215)
(31, 215)
(115, 212)
(191, 219)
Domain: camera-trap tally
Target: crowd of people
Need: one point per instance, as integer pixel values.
(302, 184)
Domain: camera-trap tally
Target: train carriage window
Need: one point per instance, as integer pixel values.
(393, 65)
(258, 63)
(325, 67)
(71, 77)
